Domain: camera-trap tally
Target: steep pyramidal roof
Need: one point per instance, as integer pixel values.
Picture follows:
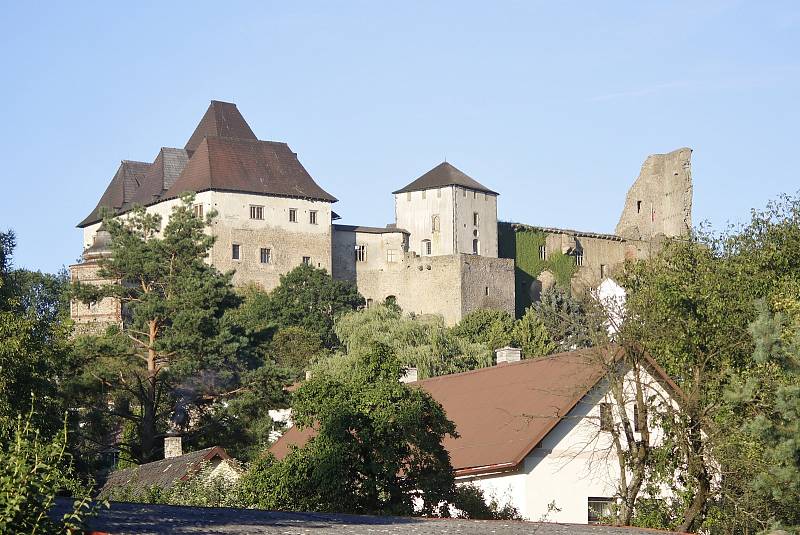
(442, 175)
(221, 119)
(221, 154)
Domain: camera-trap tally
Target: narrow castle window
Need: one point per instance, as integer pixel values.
(474, 194)
(312, 217)
(408, 195)
(475, 247)
(602, 271)
(435, 223)
(235, 251)
(439, 193)
(266, 255)
(464, 191)
(361, 253)
(256, 212)
(638, 206)
(391, 255)
(486, 290)
(292, 215)
(197, 209)
(426, 247)
(475, 218)
(579, 258)
(542, 252)
(307, 260)
(369, 303)
(423, 194)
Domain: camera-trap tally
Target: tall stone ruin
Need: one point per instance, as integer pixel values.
(660, 201)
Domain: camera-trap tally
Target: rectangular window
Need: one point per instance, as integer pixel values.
(256, 212)
(475, 218)
(361, 253)
(606, 417)
(307, 260)
(474, 194)
(475, 247)
(236, 251)
(579, 258)
(197, 209)
(439, 193)
(464, 191)
(486, 290)
(599, 508)
(435, 223)
(603, 271)
(408, 195)
(391, 255)
(426, 247)
(266, 255)
(312, 217)
(542, 252)
(423, 194)
(292, 215)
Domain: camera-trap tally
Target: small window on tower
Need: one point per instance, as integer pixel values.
(603, 271)
(638, 207)
(426, 247)
(435, 223)
(307, 260)
(256, 212)
(292, 215)
(475, 218)
(439, 193)
(312, 217)
(475, 247)
(423, 194)
(542, 252)
(408, 195)
(198, 211)
(391, 255)
(266, 255)
(236, 251)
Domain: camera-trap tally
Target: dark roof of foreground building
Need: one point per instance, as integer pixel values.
(222, 154)
(139, 518)
(162, 474)
(503, 412)
(443, 175)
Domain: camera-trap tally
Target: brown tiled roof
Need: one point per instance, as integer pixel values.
(442, 175)
(247, 166)
(120, 191)
(221, 119)
(503, 412)
(162, 474)
(161, 175)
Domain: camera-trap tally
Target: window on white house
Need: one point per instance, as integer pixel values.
(256, 212)
(579, 258)
(197, 209)
(266, 255)
(606, 417)
(307, 260)
(312, 217)
(475, 218)
(361, 253)
(236, 251)
(435, 223)
(599, 509)
(426, 247)
(292, 215)
(542, 252)
(391, 255)
(475, 247)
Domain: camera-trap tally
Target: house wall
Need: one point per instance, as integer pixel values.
(467, 203)
(573, 462)
(414, 212)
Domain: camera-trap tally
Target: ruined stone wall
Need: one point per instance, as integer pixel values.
(660, 201)
(486, 283)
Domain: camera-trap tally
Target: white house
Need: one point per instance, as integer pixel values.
(535, 433)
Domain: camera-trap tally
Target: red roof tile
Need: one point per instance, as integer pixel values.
(221, 119)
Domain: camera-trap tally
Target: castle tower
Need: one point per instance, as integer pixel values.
(447, 212)
(660, 201)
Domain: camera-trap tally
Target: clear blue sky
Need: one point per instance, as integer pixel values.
(553, 104)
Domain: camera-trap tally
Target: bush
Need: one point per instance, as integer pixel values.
(470, 500)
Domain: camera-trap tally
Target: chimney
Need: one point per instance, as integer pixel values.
(508, 354)
(410, 376)
(172, 446)
(308, 375)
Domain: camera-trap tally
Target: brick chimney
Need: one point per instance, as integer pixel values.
(508, 354)
(172, 446)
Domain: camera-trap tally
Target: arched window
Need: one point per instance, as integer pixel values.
(426, 247)
(435, 223)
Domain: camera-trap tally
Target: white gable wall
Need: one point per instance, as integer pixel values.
(573, 462)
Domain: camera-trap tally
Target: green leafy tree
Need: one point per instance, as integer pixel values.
(180, 346)
(490, 327)
(309, 297)
(294, 348)
(530, 334)
(377, 447)
(566, 319)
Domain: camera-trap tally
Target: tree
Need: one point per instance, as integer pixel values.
(487, 326)
(294, 348)
(309, 297)
(565, 318)
(179, 348)
(530, 334)
(377, 446)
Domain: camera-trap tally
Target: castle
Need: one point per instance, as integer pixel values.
(446, 253)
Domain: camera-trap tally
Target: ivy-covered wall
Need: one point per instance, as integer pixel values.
(523, 246)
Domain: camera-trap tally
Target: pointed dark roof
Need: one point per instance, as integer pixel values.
(221, 119)
(247, 166)
(120, 191)
(442, 175)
